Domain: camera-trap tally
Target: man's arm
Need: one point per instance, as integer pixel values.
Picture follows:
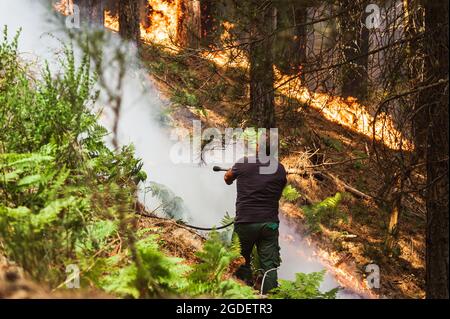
(229, 177)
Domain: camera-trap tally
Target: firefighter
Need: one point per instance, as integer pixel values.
(258, 193)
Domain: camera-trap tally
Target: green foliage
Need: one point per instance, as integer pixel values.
(333, 143)
(215, 258)
(184, 97)
(305, 286)
(290, 193)
(66, 198)
(171, 205)
(227, 219)
(60, 186)
(326, 211)
(41, 217)
(163, 275)
(207, 277)
(359, 163)
(9, 64)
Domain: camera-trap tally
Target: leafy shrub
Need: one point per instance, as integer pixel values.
(171, 205)
(290, 193)
(333, 143)
(66, 198)
(42, 217)
(326, 211)
(163, 275)
(184, 97)
(207, 277)
(305, 286)
(57, 178)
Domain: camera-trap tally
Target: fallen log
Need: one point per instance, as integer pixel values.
(347, 187)
(324, 175)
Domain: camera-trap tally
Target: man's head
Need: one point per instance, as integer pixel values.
(260, 143)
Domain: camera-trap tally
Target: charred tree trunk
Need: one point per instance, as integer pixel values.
(436, 71)
(112, 6)
(355, 47)
(189, 24)
(129, 27)
(262, 104)
(145, 10)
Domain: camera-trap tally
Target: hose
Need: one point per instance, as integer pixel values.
(264, 278)
(215, 169)
(209, 228)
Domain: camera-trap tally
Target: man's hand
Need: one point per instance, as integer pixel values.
(228, 177)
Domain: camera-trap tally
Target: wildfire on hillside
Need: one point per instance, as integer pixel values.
(160, 25)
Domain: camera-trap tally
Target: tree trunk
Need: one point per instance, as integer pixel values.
(355, 46)
(415, 68)
(436, 69)
(98, 12)
(145, 10)
(301, 35)
(129, 27)
(91, 12)
(262, 104)
(189, 24)
(392, 235)
(209, 24)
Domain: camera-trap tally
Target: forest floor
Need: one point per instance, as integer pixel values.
(15, 284)
(195, 87)
(174, 240)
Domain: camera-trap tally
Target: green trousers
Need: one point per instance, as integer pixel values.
(265, 237)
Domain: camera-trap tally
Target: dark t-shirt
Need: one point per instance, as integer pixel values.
(257, 194)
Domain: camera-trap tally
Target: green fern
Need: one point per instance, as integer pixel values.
(305, 286)
(290, 193)
(171, 205)
(207, 277)
(66, 198)
(326, 211)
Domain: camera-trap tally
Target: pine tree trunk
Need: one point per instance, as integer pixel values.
(262, 104)
(392, 235)
(145, 10)
(98, 12)
(301, 33)
(189, 24)
(129, 27)
(355, 47)
(436, 68)
(414, 68)
(209, 23)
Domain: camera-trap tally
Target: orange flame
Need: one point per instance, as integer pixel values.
(350, 114)
(347, 112)
(163, 17)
